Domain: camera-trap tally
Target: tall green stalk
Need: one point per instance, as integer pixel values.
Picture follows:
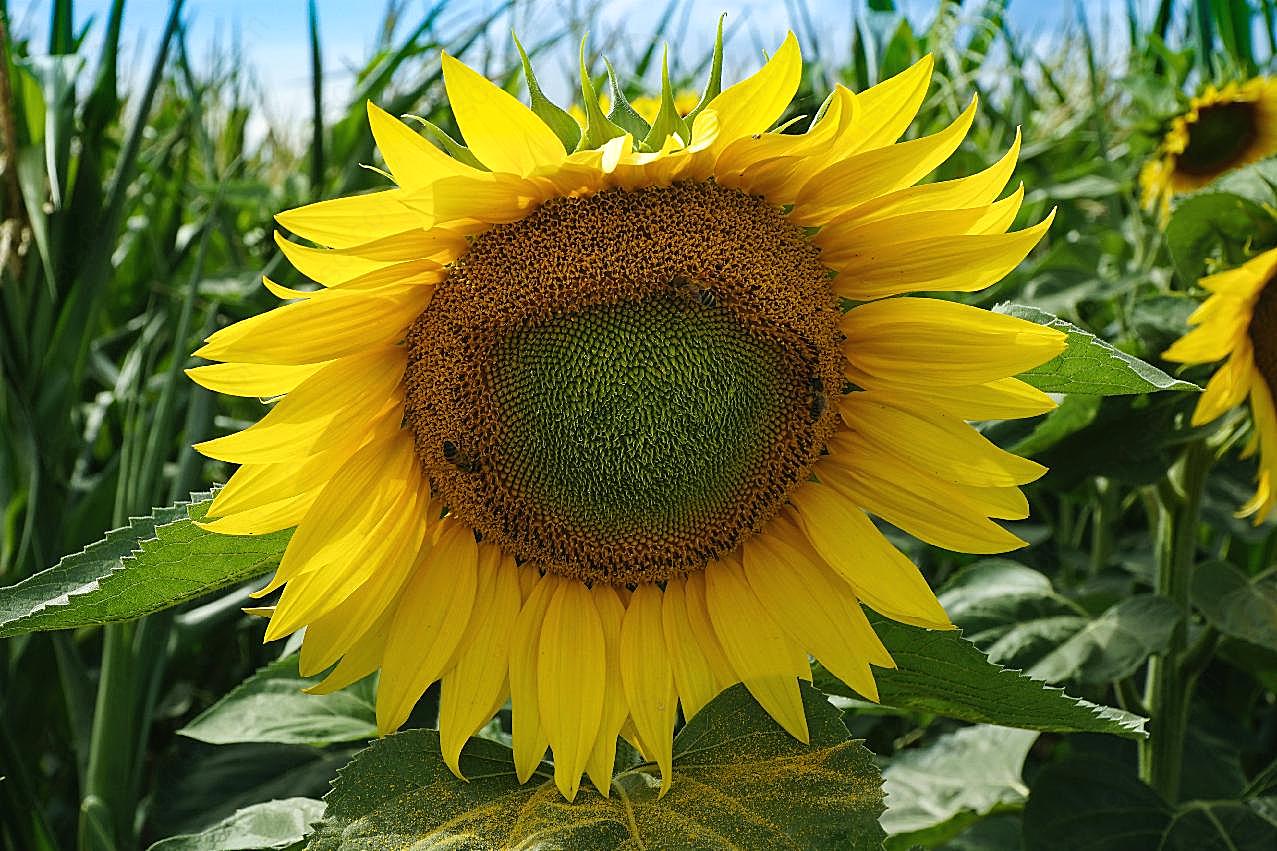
(1171, 674)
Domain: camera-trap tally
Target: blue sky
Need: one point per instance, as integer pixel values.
(273, 33)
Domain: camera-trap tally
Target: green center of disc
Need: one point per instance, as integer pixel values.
(628, 418)
(1220, 136)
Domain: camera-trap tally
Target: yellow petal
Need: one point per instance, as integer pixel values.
(1228, 386)
(252, 379)
(343, 222)
(887, 109)
(265, 518)
(330, 324)
(504, 134)
(478, 679)
(697, 611)
(817, 608)
(944, 264)
(1002, 399)
(952, 344)
(850, 544)
(333, 266)
(754, 104)
(694, 677)
(358, 498)
(868, 175)
(919, 504)
(412, 160)
(933, 441)
(615, 709)
(649, 679)
(433, 612)
(529, 740)
(338, 400)
(974, 191)
(361, 659)
(760, 652)
(571, 676)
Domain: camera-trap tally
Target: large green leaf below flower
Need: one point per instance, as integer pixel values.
(740, 781)
(153, 563)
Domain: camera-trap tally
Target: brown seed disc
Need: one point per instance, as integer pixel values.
(1220, 137)
(1263, 335)
(624, 386)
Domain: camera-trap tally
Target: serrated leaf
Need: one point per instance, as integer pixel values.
(1090, 804)
(270, 706)
(740, 781)
(945, 674)
(272, 824)
(1090, 365)
(153, 563)
(944, 784)
(1073, 414)
(1236, 604)
(1113, 645)
(1214, 222)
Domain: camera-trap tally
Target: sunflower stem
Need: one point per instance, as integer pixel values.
(1170, 676)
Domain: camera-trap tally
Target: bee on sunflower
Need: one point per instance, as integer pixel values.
(1238, 324)
(1222, 129)
(587, 428)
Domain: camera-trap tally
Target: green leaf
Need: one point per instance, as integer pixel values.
(713, 83)
(270, 706)
(1113, 645)
(740, 781)
(1090, 365)
(992, 596)
(945, 674)
(1236, 604)
(273, 824)
(1215, 222)
(598, 127)
(667, 120)
(1097, 805)
(935, 791)
(153, 563)
(562, 123)
(1075, 412)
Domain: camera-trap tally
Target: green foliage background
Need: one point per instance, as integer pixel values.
(138, 706)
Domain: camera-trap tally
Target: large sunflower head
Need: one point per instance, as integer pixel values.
(589, 426)
(1222, 129)
(1238, 324)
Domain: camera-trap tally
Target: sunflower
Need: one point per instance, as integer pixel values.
(1221, 130)
(594, 432)
(1238, 323)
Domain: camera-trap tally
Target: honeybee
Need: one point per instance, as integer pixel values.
(461, 460)
(816, 394)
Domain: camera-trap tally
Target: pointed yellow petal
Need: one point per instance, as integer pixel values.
(868, 175)
(649, 680)
(433, 612)
(339, 399)
(478, 679)
(952, 344)
(571, 676)
(1228, 386)
(252, 379)
(504, 134)
(817, 608)
(921, 505)
(754, 104)
(330, 324)
(887, 109)
(974, 191)
(412, 160)
(942, 264)
(343, 222)
(760, 652)
(933, 441)
(332, 266)
(615, 709)
(529, 741)
(363, 657)
(879, 573)
(694, 677)
(1002, 399)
